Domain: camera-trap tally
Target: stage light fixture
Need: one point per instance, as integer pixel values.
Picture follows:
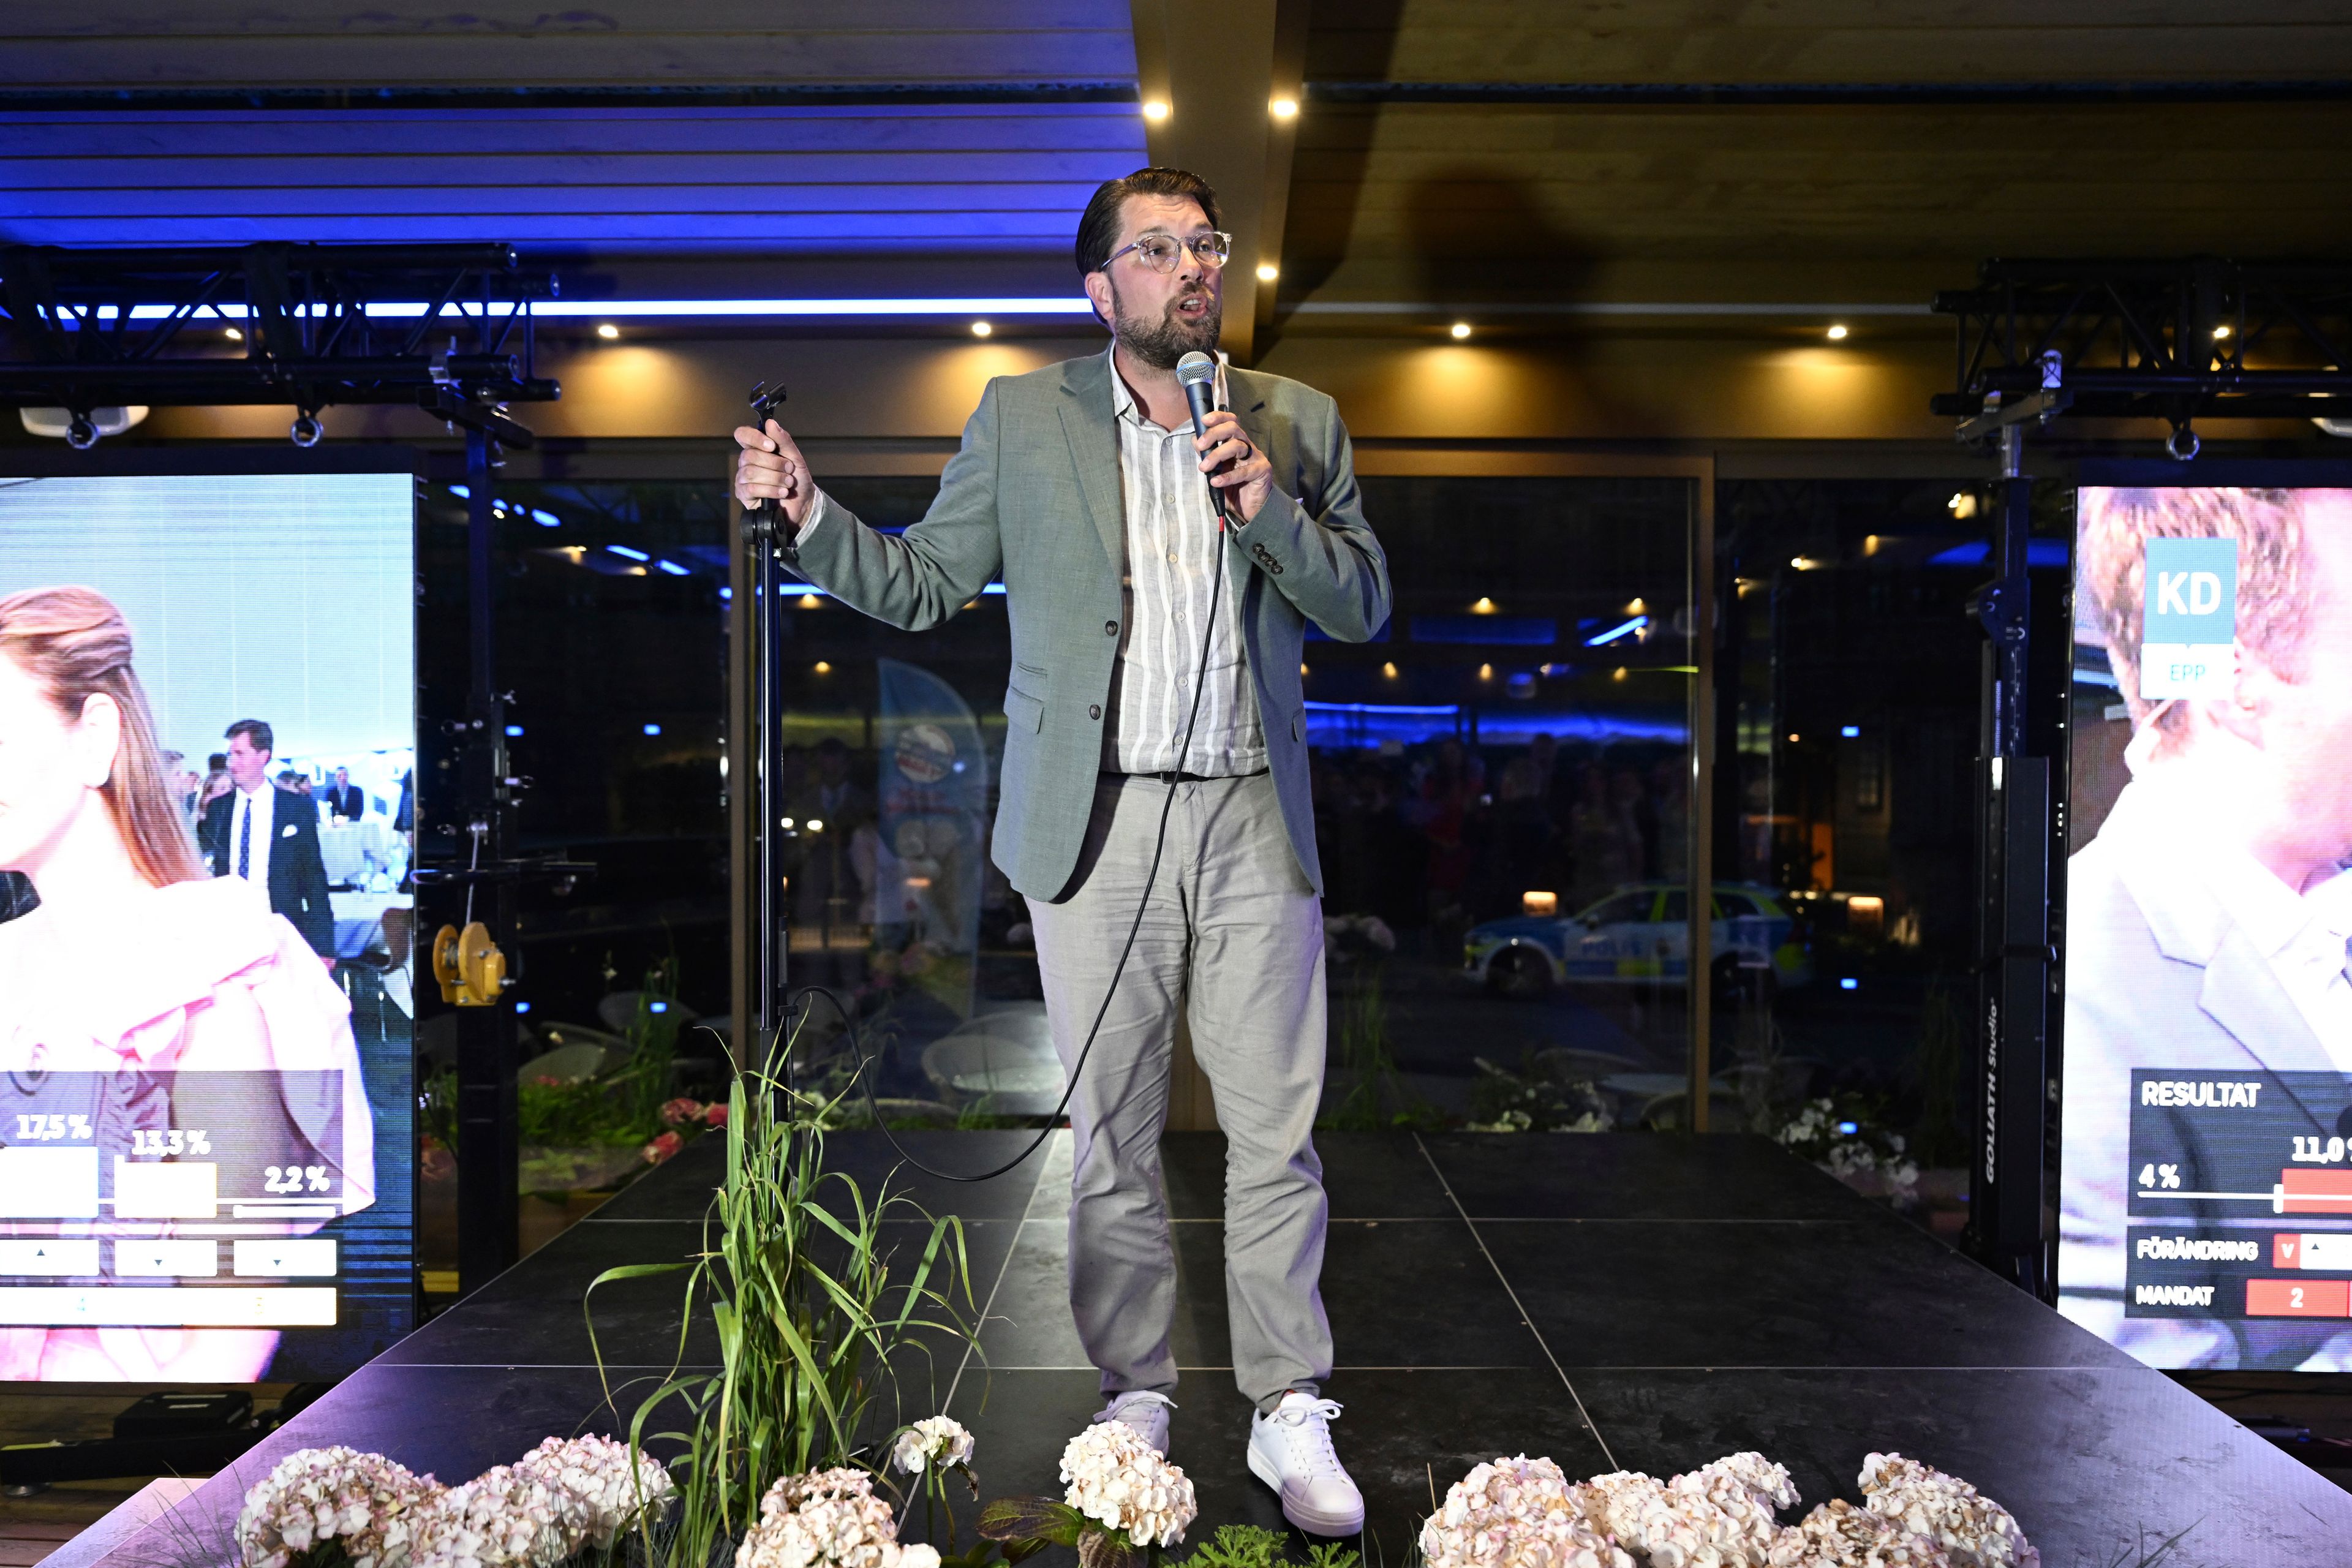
(674, 569)
(1850, 731)
(545, 518)
(1389, 670)
(1283, 108)
(809, 602)
(608, 331)
(1267, 272)
(2221, 332)
(823, 667)
(1460, 330)
(1484, 606)
(624, 550)
(653, 729)
(233, 335)
(1485, 672)
(982, 328)
(1837, 333)
(1155, 110)
(514, 732)
(1617, 673)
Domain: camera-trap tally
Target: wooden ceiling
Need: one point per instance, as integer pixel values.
(1545, 157)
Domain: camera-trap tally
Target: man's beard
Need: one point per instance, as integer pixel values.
(1162, 344)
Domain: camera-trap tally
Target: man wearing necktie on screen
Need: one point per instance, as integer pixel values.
(270, 839)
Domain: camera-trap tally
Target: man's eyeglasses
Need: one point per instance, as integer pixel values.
(1159, 251)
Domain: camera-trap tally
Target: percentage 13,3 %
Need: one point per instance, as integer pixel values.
(170, 1142)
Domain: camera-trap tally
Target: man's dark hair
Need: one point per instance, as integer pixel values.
(1098, 227)
(257, 735)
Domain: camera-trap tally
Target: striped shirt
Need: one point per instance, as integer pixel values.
(1174, 551)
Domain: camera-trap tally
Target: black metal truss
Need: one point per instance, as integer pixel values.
(2178, 340)
(75, 336)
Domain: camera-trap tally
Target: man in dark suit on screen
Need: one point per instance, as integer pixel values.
(345, 800)
(260, 833)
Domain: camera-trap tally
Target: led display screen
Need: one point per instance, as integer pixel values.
(2206, 1151)
(207, 737)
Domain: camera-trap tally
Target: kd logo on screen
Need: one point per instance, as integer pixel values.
(2189, 624)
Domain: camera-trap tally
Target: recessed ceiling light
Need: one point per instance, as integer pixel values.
(1155, 110)
(608, 331)
(1267, 272)
(2222, 330)
(1285, 108)
(234, 335)
(1837, 333)
(1460, 330)
(982, 328)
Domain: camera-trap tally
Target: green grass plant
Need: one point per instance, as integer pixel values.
(816, 1316)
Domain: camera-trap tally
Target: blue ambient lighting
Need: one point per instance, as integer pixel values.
(1850, 731)
(461, 492)
(674, 569)
(656, 1007)
(1848, 1129)
(605, 310)
(632, 555)
(1614, 633)
(522, 1007)
(545, 518)
(653, 729)
(514, 732)
(727, 593)
(1849, 983)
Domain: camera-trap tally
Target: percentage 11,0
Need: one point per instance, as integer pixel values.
(2315, 1150)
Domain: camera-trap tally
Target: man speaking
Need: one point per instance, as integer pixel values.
(1083, 483)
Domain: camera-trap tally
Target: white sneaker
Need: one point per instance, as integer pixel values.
(1290, 1451)
(1143, 1410)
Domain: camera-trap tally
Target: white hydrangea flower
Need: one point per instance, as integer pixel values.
(503, 1518)
(935, 1440)
(1750, 1469)
(1117, 1478)
(598, 1490)
(1839, 1535)
(1977, 1531)
(828, 1519)
(1516, 1513)
(364, 1501)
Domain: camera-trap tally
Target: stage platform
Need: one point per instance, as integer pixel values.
(1640, 1301)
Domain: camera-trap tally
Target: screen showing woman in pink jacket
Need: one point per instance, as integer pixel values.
(181, 1099)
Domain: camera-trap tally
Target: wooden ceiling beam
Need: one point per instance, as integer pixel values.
(1220, 66)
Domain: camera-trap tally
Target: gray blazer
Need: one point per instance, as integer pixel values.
(1036, 493)
(2159, 977)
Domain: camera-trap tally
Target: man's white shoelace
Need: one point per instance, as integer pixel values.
(1322, 1456)
(1110, 1412)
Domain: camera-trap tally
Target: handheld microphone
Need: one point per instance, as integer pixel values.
(1197, 374)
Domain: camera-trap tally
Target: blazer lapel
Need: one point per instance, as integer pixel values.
(1093, 450)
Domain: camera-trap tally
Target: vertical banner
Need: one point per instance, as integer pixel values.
(933, 791)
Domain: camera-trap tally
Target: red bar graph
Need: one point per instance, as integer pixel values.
(2299, 1297)
(2316, 1191)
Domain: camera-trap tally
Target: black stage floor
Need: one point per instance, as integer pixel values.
(1636, 1301)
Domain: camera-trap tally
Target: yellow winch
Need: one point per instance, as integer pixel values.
(468, 964)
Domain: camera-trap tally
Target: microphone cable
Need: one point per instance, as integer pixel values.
(864, 1079)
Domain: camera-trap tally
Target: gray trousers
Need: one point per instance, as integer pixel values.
(1233, 934)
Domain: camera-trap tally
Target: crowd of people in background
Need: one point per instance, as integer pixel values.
(1441, 835)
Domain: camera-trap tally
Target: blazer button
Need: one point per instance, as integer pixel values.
(1110, 628)
(1093, 711)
